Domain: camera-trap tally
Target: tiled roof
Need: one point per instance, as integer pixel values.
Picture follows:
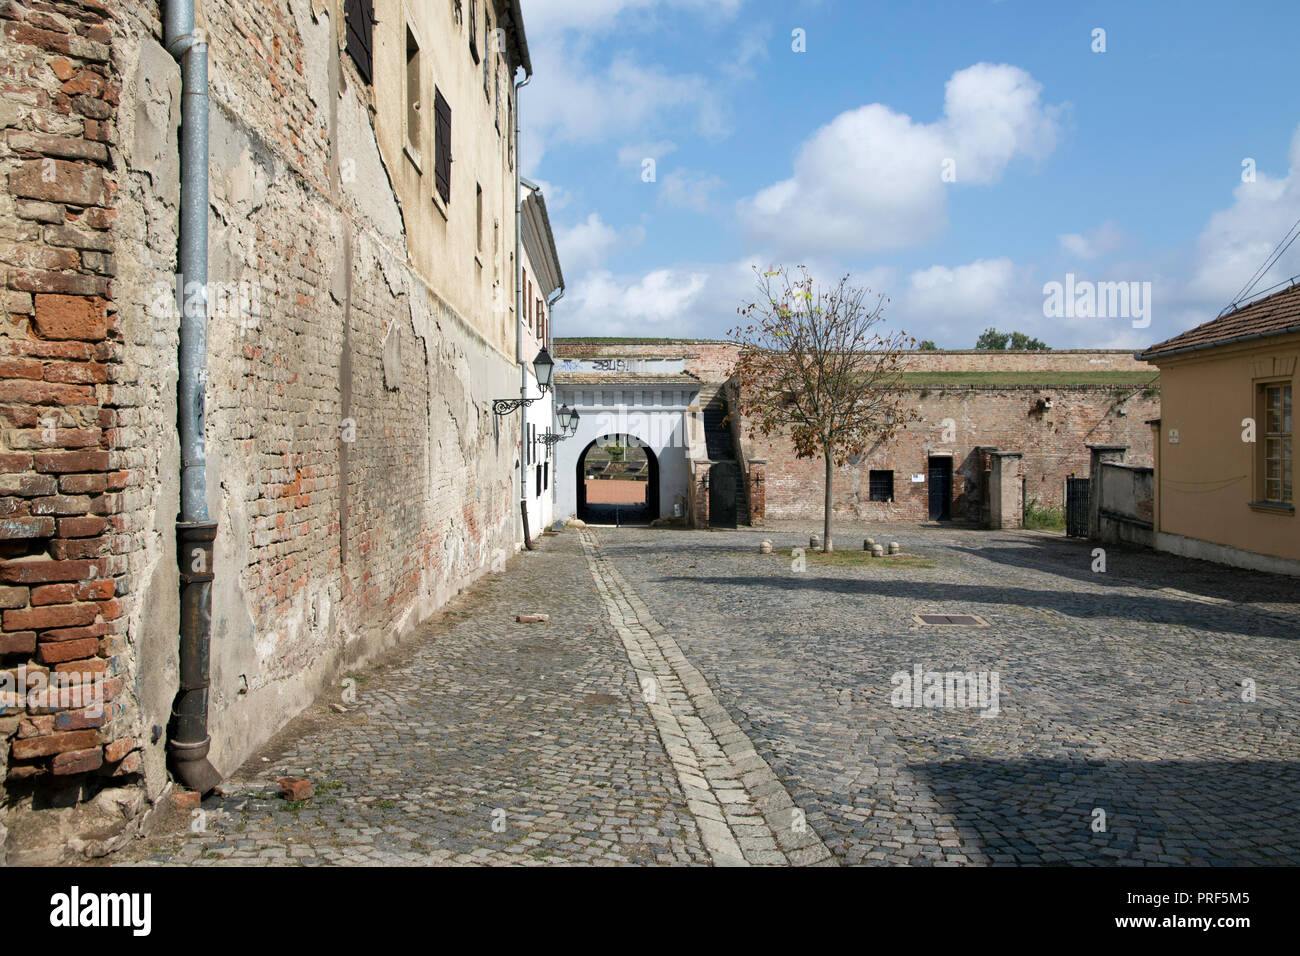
(601, 379)
(1271, 315)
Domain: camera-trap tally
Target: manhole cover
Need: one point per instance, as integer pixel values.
(960, 620)
(599, 700)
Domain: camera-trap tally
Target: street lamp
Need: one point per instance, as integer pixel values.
(568, 419)
(569, 423)
(544, 369)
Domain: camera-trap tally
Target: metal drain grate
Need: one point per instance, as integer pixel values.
(947, 620)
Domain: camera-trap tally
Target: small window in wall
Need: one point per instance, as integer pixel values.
(360, 16)
(442, 145)
(538, 486)
(473, 29)
(1279, 460)
(880, 485)
(546, 476)
(487, 56)
(413, 136)
(478, 217)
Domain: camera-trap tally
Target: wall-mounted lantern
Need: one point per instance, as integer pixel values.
(568, 419)
(544, 369)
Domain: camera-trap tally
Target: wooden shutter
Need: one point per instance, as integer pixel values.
(442, 145)
(360, 15)
(473, 29)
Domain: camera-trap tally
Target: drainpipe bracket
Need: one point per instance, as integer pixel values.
(194, 550)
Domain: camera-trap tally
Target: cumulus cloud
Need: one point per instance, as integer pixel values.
(596, 16)
(636, 153)
(661, 302)
(577, 102)
(1102, 241)
(689, 189)
(872, 179)
(587, 244)
(1236, 241)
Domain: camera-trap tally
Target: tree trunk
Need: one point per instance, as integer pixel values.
(826, 517)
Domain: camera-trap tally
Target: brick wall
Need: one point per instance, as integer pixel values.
(1053, 439)
(958, 421)
(356, 472)
(712, 361)
(64, 417)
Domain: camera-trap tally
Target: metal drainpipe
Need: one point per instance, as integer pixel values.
(519, 324)
(188, 741)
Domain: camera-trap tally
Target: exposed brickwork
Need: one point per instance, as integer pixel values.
(1053, 440)
(355, 470)
(713, 361)
(60, 344)
(955, 420)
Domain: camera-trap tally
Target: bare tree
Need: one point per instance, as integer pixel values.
(816, 363)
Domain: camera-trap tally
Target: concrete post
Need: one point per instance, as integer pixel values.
(1006, 507)
(1100, 455)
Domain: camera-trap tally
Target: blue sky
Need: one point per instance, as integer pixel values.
(1123, 165)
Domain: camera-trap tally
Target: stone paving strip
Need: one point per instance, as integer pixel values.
(481, 741)
(744, 814)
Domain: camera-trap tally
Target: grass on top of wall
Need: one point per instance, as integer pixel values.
(1045, 379)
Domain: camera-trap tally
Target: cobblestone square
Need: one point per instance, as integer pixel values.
(691, 701)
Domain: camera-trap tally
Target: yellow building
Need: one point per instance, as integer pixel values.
(1225, 441)
(445, 114)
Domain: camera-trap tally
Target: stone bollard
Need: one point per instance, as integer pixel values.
(877, 550)
(765, 547)
(866, 545)
(894, 548)
(814, 541)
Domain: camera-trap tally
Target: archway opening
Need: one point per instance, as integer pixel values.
(618, 481)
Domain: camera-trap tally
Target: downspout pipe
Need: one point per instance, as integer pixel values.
(188, 741)
(519, 320)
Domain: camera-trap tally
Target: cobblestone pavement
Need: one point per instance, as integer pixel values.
(537, 728)
(1119, 692)
(693, 701)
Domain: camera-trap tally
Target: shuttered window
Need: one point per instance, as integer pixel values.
(473, 29)
(360, 15)
(442, 146)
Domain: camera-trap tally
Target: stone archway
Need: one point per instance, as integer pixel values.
(617, 488)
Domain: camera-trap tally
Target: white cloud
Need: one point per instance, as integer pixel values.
(590, 242)
(573, 101)
(636, 153)
(546, 17)
(1102, 241)
(661, 302)
(1237, 240)
(689, 189)
(871, 179)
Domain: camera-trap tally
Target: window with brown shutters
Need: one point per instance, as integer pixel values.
(442, 145)
(360, 16)
(473, 29)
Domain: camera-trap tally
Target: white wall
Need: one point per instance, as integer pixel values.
(656, 416)
(540, 501)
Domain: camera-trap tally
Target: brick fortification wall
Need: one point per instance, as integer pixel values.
(712, 361)
(955, 420)
(958, 420)
(356, 471)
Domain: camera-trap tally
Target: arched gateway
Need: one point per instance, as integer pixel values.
(617, 481)
(633, 427)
